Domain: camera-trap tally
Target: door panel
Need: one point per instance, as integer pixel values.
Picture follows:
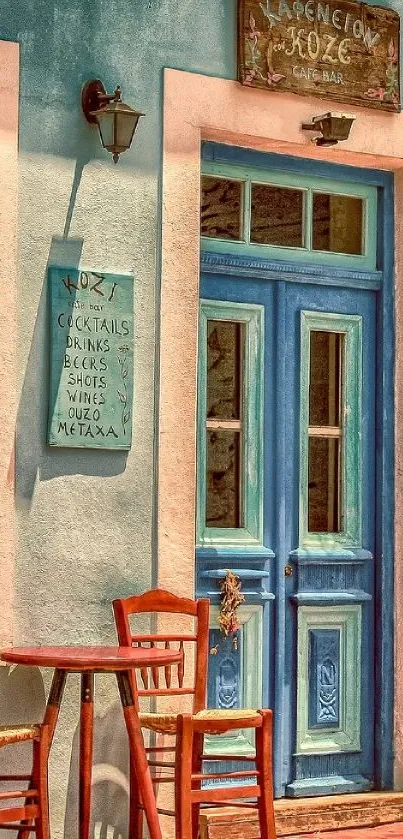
(330, 595)
(316, 599)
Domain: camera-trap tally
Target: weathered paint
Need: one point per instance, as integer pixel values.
(321, 577)
(271, 53)
(398, 598)
(344, 734)
(228, 663)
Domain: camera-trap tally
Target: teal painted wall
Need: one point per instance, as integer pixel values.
(85, 518)
(64, 44)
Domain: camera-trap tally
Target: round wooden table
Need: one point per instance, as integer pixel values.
(88, 661)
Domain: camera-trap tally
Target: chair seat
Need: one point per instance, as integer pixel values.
(18, 734)
(160, 723)
(167, 723)
(222, 714)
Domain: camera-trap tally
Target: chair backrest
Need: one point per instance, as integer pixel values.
(166, 681)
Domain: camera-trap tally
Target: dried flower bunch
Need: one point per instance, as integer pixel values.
(231, 598)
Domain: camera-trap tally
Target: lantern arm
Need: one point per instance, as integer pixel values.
(94, 97)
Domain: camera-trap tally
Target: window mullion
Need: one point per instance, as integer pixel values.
(247, 200)
(233, 425)
(308, 205)
(324, 431)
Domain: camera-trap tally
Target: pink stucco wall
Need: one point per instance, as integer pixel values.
(9, 75)
(195, 108)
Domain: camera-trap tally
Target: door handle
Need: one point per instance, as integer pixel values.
(288, 570)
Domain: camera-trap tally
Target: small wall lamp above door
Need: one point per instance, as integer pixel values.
(333, 127)
(116, 121)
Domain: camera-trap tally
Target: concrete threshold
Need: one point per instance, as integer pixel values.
(306, 815)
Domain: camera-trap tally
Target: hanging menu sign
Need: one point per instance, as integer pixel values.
(91, 364)
(335, 49)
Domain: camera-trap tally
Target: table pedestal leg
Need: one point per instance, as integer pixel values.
(138, 754)
(54, 702)
(86, 750)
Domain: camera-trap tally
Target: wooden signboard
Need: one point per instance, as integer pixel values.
(91, 365)
(335, 49)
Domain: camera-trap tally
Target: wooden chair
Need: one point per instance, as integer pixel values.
(167, 681)
(30, 808)
(192, 727)
(258, 781)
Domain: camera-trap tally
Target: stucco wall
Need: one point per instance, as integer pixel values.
(9, 72)
(84, 525)
(84, 520)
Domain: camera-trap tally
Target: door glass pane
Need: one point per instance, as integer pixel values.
(224, 369)
(323, 485)
(277, 216)
(324, 378)
(230, 472)
(337, 223)
(224, 409)
(325, 430)
(221, 208)
(223, 507)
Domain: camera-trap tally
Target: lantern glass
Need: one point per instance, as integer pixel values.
(117, 126)
(126, 124)
(106, 123)
(116, 121)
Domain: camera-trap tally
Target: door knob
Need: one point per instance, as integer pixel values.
(288, 571)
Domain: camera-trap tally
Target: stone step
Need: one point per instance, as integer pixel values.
(295, 817)
(385, 831)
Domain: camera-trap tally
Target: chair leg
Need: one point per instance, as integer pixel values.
(264, 767)
(26, 830)
(183, 771)
(40, 777)
(27, 825)
(135, 811)
(198, 748)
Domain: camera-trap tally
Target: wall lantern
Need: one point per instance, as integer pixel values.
(116, 121)
(333, 127)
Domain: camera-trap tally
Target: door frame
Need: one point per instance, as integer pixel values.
(382, 282)
(195, 108)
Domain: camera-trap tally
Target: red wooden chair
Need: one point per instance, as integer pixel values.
(167, 681)
(257, 781)
(190, 728)
(30, 808)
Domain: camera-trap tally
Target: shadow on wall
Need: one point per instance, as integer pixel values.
(34, 459)
(22, 700)
(110, 779)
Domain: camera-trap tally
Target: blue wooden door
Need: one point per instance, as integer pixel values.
(303, 347)
(328, 734)
(319, 627)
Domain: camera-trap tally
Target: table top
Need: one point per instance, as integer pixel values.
(101, 659)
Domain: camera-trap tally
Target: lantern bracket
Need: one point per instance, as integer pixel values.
(94, 97)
